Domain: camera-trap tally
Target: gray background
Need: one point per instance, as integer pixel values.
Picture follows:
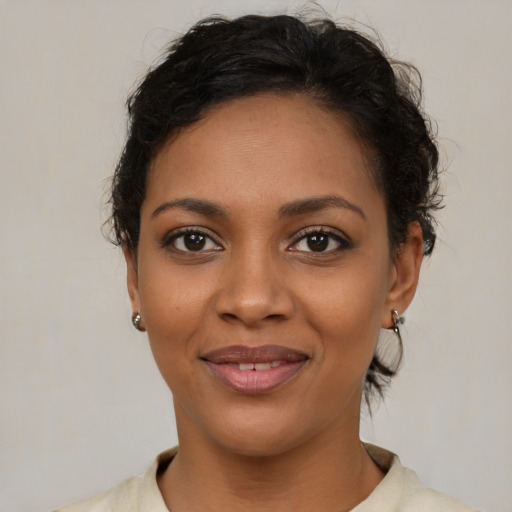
(81, 403)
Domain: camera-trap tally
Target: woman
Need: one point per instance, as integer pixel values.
(273, 202)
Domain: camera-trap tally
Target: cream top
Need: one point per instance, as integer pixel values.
(399, 491)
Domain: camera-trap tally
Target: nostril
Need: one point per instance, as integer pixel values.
(233, 316)
(252, 301)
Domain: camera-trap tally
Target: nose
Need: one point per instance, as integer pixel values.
(254, 290)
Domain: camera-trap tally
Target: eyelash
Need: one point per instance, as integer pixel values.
(169, 241)
(342, 241)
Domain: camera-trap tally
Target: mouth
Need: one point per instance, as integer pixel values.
(255, 370)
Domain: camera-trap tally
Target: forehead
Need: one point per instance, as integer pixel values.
(267, 146)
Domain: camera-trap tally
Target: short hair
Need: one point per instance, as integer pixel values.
(339, 68)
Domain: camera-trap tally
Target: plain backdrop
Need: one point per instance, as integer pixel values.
(82, 405)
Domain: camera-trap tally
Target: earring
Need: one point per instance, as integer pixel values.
(136, 319)
(397, 322)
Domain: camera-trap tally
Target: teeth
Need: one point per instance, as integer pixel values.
(258, 366)
(262, 366)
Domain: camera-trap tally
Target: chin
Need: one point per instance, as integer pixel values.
(261, 433)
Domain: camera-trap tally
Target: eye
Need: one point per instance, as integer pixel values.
(320, 241)
(191, 241)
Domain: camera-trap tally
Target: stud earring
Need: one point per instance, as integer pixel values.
(136, 319)
(397, 322)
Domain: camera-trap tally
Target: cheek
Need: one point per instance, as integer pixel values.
(346, 312)
(170, 295)
(174, 306)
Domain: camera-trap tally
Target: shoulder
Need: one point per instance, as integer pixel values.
(122, 497)
(417, 498)
(401, 490)
(137, 494)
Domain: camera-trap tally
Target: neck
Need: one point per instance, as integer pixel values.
(331, 472)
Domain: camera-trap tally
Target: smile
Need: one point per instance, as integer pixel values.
(255, 370)
(256, 366)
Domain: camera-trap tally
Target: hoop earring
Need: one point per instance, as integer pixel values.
(397, 322)
(136, 319)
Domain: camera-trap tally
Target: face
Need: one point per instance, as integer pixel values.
(263, 274)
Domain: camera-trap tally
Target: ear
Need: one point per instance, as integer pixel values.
(404, 274)
(132, 278)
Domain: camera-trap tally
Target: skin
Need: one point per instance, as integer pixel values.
(256, 281)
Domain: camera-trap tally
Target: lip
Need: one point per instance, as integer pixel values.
(223, 364)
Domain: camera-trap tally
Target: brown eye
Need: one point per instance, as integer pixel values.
(193, 241)
(318, 242)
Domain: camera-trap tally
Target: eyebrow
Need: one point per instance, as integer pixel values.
(192, 205)
(299, 207)
(315, 204)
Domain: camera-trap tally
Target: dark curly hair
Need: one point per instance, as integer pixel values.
(337, 67)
